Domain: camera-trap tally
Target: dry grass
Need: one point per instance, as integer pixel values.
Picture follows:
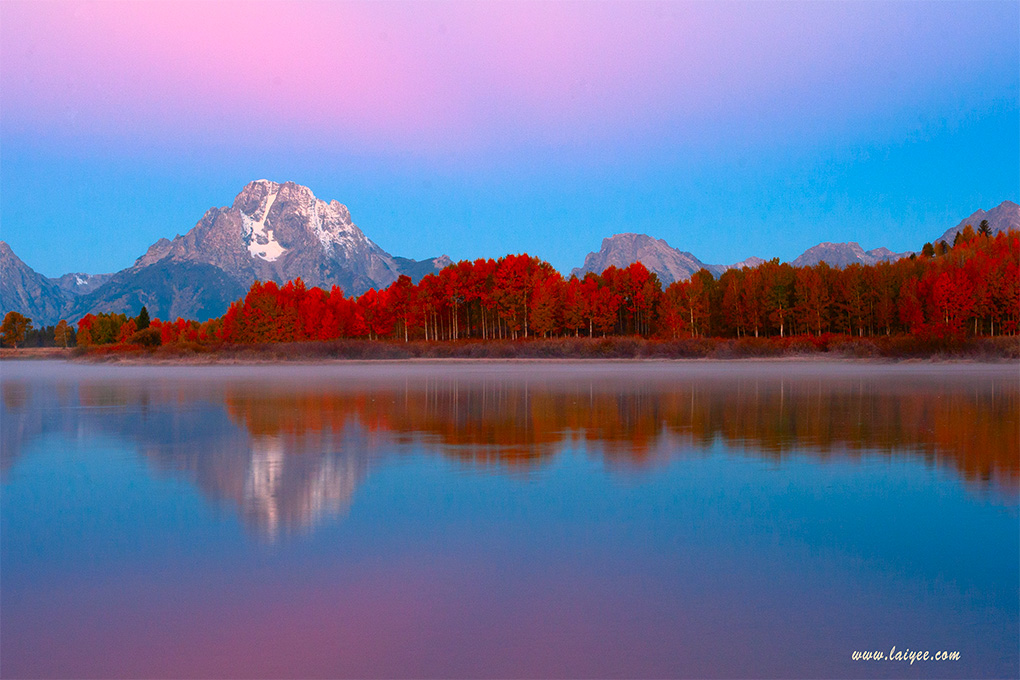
(830, 346)
(7, 353)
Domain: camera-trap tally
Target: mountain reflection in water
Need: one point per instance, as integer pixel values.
(290, 453)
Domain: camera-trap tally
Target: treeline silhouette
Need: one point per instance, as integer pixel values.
(968, 290)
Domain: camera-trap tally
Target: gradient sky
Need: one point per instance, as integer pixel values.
(476, 130)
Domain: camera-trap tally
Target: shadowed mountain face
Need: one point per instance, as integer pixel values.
(288, 451)
(168, 289)
(25, 291)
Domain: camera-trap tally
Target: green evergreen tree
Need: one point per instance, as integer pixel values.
(984, 229)
(142, 321)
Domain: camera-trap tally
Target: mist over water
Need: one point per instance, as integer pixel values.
(508, 519)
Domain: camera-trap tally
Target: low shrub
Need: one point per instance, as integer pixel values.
(147, 337)
(183, 348)
(685, 348)
(857, 348)
(747, 348)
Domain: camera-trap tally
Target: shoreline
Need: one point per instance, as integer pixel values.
(632, 372)
(880, 350)
(215, 359)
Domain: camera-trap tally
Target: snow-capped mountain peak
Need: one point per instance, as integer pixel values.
(281, 231)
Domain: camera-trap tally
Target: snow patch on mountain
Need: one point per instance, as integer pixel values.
(259, 237)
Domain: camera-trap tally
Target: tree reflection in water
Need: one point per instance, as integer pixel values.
(287, 455)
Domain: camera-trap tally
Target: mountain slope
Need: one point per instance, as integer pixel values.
(27, 292)
(1002, 217)
(168, 289)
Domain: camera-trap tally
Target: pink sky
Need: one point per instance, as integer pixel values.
(424, 74)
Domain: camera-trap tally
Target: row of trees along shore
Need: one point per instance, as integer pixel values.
(968, 289)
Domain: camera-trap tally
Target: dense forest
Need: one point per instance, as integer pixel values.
(970, 288)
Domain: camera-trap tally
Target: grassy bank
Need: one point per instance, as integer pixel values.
(833, 347)
(36, 353)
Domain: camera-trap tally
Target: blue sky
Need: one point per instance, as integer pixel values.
(728, 129)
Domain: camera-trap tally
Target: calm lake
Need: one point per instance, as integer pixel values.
(445, 519)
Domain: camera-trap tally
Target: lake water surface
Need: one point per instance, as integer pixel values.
(445, 519)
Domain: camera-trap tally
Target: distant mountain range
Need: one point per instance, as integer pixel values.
(282, 231)
(671, 264)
